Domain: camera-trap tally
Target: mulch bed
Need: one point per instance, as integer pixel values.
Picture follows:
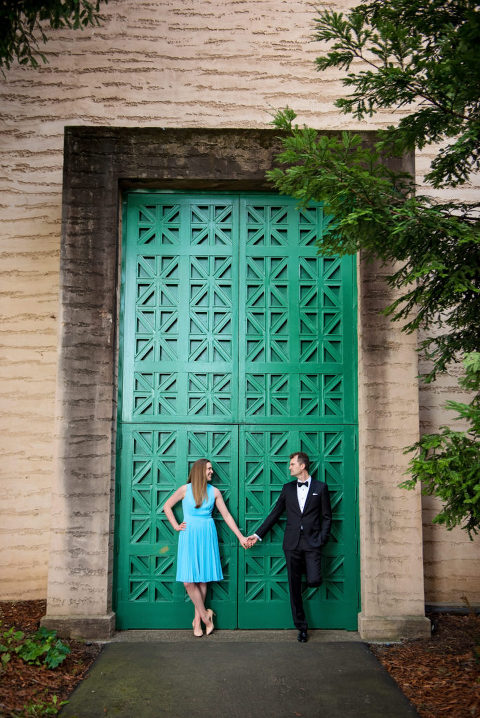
(439, 675)
(22, 685)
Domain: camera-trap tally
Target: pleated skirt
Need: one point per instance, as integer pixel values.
(198, 557)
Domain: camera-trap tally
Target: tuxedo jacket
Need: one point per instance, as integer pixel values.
(315, 520)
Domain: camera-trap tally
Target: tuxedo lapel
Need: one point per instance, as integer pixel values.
(310, 490)
(293, 497)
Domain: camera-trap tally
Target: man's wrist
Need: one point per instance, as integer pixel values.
(257, 537)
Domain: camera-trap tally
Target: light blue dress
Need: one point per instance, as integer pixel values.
(198, 558)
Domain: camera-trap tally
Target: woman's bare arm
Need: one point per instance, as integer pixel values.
(179, 495)
(228, 518)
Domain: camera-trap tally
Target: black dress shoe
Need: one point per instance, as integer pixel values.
(302, 637)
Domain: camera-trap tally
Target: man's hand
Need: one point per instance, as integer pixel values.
(252, 540)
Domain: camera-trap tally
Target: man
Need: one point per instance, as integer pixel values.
(309, 518)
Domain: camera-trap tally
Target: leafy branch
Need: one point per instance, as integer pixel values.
(447, 464)
(23, 26)
(423, 58)
(376, 211)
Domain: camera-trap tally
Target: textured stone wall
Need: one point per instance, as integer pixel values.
(163, 63)
(390, 518)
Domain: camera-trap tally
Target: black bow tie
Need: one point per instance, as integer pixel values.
(302, 483)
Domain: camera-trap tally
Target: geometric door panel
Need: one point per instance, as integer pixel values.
(180, 339)
(296, 318)
(156, 460)
(237, 343)
(264, 453)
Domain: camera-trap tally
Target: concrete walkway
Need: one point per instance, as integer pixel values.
(237, 674)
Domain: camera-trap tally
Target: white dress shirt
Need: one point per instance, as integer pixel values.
(302, 492)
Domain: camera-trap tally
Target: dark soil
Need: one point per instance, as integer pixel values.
(22, 685)
(439, 675)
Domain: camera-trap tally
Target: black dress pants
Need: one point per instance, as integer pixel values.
(302, 559)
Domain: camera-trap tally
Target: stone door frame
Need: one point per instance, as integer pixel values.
(99, 164)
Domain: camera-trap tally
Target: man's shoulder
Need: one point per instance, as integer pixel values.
(319, 485)
(289, 487)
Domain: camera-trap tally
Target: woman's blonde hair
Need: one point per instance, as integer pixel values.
(198, 478)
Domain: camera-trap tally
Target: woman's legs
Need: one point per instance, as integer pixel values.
(197, 618)
(203, 591)
(202, 587)
(197, 593)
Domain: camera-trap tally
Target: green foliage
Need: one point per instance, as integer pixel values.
(419, 56)
(376, 211)
(423, 59)
(8, 643)
(43, 708)
(448, 464)
(43, 648)
(23, 24)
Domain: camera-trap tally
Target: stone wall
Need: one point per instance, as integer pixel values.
(390, 518)
(157, 63)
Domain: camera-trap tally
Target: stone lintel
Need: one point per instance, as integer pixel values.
(385, 629)
(94, 627)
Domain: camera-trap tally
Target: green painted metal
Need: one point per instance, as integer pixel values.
(263, 586)
(155, 459)
(238, 343)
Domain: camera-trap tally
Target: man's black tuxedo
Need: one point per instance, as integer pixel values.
(315, 520)
(305, 534)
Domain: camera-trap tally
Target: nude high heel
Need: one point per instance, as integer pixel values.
(211, 628)
(197, 635)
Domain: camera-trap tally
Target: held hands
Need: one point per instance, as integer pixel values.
(248, 541)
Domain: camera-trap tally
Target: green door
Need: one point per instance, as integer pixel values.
(238, 343)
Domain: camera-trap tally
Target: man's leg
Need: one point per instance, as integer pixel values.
(295, 563)
(313, 566)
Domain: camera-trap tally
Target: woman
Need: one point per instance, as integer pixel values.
(198, 560)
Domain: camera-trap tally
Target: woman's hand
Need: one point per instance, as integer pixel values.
(244, 541)
(181, 527)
